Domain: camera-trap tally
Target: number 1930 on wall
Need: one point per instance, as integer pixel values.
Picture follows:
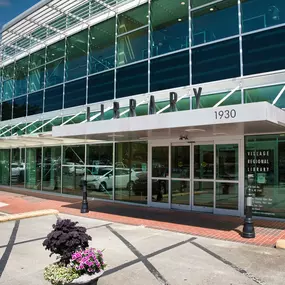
(225, 114)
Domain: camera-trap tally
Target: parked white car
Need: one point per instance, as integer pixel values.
(17, 171)
(103, 179)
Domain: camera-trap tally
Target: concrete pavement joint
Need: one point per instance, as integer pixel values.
(130, 263)
(235, 267)
(145, 262)
(5, 257)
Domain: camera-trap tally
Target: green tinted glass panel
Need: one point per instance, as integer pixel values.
(76, 55)
(203, 194)
(131, 172)
(208, 101)
(227, 166)
(132, 47)
(8, 72)
(5, 167)
(36, 79)
(21, 74)
(54, 72)
(260, 14)
(133, 19)
(267, 94)
(8, 88)
(51, 123)
(56, 51)
(37, 59)
(208, 24)
(264, 174)
(100, 163)
(102, 47)
(180, 192)
(180, 162)
(169, 26)
(227, 195)
(33, 168)
(52, 169)
(204, 162)
(18, 167)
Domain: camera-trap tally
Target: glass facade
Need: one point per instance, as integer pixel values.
(264, 174)
(157, 46)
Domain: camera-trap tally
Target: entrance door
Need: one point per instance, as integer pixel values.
(180, 176)
(199, 176)
(228, 176)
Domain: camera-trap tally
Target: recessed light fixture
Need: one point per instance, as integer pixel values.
(194, 130)
(147, 16)
(72, 46)
(52, 54)
(179, 20)
(212, 9)
(182, 3)
(93, 38)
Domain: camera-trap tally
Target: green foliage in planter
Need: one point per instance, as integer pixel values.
(65, 238)
(59, 274)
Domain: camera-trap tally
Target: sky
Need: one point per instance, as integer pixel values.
(9, 9)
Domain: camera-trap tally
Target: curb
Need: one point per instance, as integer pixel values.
(28, 215)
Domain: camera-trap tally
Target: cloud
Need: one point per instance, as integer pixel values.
(5, 3)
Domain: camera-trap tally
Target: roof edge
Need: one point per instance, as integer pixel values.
(25, 14)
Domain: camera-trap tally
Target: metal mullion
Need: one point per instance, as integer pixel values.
(25, 170)
(227, 181)
(240, 37)
(216, 41)
(113, 178)
(54, 60)
(149, 47)
(61, 168)
(116, 55)
(10, 172)
(45, 79)
(13, 92)
(215, 174)
(42, 169)
(180, 179)
(207, 4)
(64, 69)
(132, 31)
(87, 63)
(190, 47)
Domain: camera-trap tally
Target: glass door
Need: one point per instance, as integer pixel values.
(180, 182)
(159, 182)
(203, 177)
(227, 192)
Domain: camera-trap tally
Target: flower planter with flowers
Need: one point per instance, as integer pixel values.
(77, 264)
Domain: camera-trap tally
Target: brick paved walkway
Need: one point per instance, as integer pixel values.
(199, 224)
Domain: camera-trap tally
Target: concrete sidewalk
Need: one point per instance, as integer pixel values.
(137, 256)
(198, 224)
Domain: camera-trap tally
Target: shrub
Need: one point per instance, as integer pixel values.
(87, 261)
(65, 239)
(59, 274)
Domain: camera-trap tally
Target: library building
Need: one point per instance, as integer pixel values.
(175, 104)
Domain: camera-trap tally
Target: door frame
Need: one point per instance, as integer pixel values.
(239, 140)
(152, 144)
(201, 208)
(240, 181)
